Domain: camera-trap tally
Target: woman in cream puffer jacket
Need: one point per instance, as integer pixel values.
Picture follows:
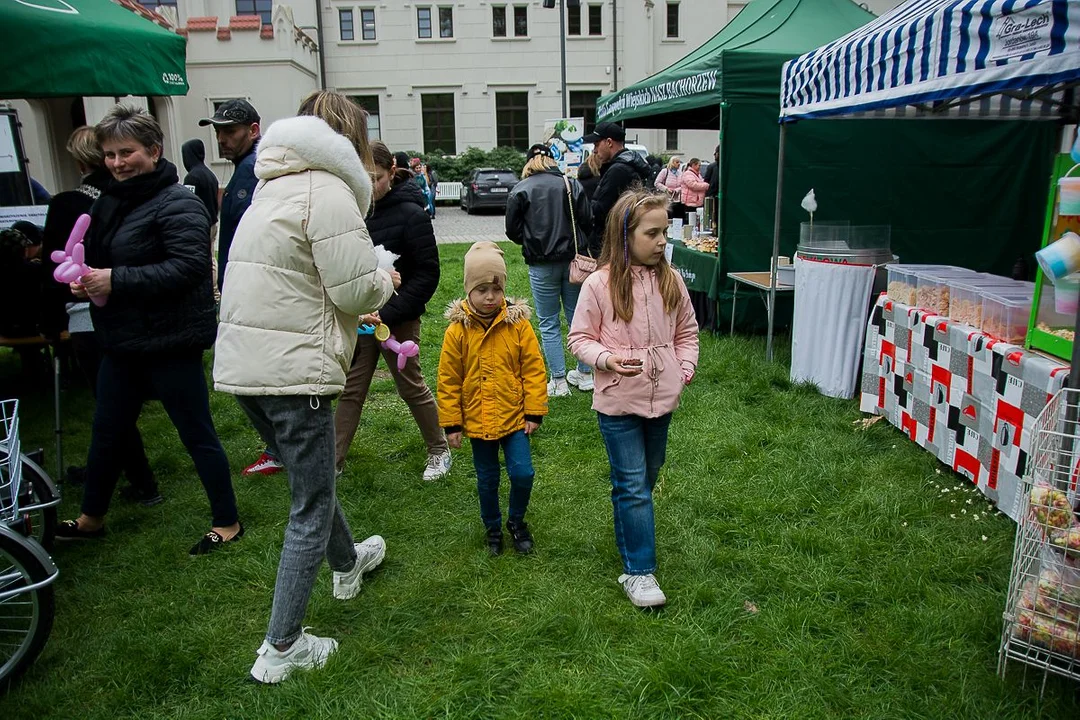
(301, 269)
(301, 272)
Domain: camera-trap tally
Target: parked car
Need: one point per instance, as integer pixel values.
(487, 188)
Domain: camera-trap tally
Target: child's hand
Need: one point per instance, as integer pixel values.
(531, 427)
(454, 440)
(688, 375)
(395, 277)
(370, 319)
(627, 367)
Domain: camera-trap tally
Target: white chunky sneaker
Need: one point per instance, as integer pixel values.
(643, 590)
(438, 466)
(273, 665)
(557, 387)
(369, 555)
(582, 381)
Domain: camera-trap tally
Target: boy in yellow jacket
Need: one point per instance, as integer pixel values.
(493, 388)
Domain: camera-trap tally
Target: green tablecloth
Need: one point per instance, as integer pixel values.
(700, 271)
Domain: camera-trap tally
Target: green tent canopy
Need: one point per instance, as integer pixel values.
(741, 62)
(51, 48)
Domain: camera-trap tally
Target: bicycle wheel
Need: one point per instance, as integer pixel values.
(26, 618)
(38, 491)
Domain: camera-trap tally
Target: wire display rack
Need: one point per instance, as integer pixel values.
(1042, 610)
(10, 460)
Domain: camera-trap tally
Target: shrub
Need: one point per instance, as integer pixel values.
(455, 168)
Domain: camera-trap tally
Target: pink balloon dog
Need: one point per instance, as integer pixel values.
(404, 350)
(71, 261)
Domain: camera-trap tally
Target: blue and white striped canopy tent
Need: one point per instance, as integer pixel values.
(938, 59)
(933, 58)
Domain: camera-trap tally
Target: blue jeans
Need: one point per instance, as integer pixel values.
(552, 291)
(636, 447)
(519, 467)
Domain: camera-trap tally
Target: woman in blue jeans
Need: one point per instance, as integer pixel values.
(543, 213)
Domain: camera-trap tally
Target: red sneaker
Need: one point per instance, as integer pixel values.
(265, 465)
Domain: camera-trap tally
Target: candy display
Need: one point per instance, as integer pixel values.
(1064, 333)
(1051, 507)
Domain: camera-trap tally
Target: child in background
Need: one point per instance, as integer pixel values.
(634, 324)
(493, 388)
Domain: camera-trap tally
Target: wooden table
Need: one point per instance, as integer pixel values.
(761, 281)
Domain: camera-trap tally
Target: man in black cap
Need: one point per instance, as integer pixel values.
(621, 170)
(236, 123)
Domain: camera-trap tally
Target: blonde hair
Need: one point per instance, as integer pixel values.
(84, 147)
(539, 163)
(344, 116)
(673, 162)
(622, 222)
(594, 163)
(126, 122)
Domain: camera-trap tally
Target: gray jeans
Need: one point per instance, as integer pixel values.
(302, 430)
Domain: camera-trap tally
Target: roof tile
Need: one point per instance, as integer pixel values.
(245, 22)
(224, 33)
(196, 24)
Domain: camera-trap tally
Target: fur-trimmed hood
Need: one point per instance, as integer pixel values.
(514, 310)
(306, 142)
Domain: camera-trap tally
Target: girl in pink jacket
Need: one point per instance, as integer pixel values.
(634, 324)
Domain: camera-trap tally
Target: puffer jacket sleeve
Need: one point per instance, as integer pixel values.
(412, 296)
(533, 370)
(584, 337)
(686, 328)
(183, 228)
(516, 205)
(451, 377)
(343, 254)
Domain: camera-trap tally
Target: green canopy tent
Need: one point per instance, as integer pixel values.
(959, 192)
(56, 48)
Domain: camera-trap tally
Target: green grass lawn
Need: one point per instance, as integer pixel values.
(813, 570)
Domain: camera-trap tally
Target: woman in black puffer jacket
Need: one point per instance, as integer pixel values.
(148, 248)
(400, 223)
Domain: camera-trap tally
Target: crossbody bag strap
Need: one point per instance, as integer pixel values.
(573, 221)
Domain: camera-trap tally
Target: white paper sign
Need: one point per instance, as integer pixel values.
(676, 229)
(13, 214)
(9, 159)
(668, 250)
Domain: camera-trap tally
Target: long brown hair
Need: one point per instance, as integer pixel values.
(622, 221)
(344, 116)
(383, 158)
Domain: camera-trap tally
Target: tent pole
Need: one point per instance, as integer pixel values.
(775, 242)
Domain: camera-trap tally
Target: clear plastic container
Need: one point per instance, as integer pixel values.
(932, 287)
(1005, 316)
(1049, 320)
(966, 296)
(902, 281)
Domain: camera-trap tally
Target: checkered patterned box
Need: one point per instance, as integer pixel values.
(970, 400)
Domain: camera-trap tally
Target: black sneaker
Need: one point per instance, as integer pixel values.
(145, 495)
(519, 532)
(70, 530)
(495, 540)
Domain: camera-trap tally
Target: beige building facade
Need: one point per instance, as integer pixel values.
(434, 74)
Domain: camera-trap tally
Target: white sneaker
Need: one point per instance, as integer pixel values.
(582, 381)
(643, 590)
(438, 466)
(273, 665)
(369, 555)
(557, 387)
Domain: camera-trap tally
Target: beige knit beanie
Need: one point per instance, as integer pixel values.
(483, 264)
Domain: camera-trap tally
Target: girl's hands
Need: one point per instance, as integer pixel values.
(531, 427)
(627, 367)
(78, 290)
(97, 282)
(454, 439)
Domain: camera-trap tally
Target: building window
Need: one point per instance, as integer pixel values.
(345, 22)
(673, 19)
(370, 104)
(498, 21)
(512, 120)
(423, 22)
(596, 26)
(367, 23)
(573, 19)
(446, 22)
(437, 109)
(155, 4)
(521, 21)
(583, 105)
(671, 139)
(262, 8)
